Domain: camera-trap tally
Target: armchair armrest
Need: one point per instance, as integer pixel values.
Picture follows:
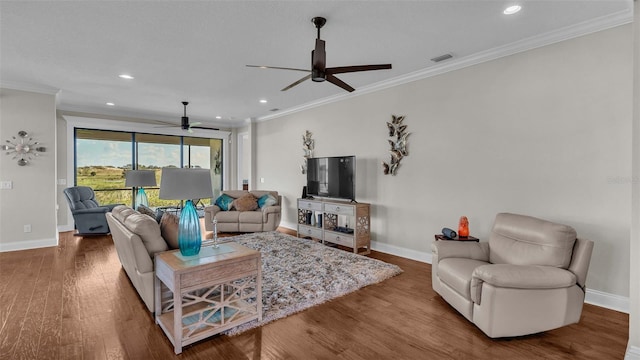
(111, 206)
(97, 210)
(209, 213)
(273, 209)
(519, 277)
(456, 249)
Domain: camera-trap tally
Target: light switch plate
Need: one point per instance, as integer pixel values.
(6, 185)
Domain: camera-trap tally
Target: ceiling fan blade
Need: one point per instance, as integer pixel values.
(297, 82)
(335, 81)
(277, 67)
(190, 131)
(356, 68)
(319, 56)
(204, 128)
(195, 123)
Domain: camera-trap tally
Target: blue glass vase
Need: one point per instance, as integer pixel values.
(141, 198)
(189, 237)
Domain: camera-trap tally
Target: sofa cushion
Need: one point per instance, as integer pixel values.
(525, 240)
(456, 273)
(224, 202)
(267, 200)
(235, 193)
(169, 229)
(121, 212)
(250, 217)
(246, 202)
(148, 230)
(227, 216)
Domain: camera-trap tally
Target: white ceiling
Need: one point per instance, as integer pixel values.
(197, 50)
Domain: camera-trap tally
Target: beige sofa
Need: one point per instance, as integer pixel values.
(530, 276)
(137, 238)
(261, 219)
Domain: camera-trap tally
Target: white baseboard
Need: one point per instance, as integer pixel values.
(593, 297)
(402, 252)
(28, 244)
(633, 353)
(65, 228)
(606, 300)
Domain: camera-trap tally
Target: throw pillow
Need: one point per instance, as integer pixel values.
(224, 202)
(158, 216)
(169, 229)
(246, 202)
(145, 210)
(266, 200)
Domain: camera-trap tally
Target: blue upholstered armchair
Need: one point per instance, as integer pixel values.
(87, 213)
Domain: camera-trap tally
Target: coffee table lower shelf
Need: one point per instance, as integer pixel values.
(166, 321)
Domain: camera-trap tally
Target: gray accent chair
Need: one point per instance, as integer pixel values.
(88, 214)
(528, 278)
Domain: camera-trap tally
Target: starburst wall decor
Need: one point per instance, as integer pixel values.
(23, 148)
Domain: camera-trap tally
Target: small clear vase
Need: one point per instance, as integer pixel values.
(189, 237)
(216, 243)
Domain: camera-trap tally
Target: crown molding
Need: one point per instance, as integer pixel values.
(588, 27)
(23, 86)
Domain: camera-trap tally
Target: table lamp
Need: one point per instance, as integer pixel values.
(187, 184)
(137, 179)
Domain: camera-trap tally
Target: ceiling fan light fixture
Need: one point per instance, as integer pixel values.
(512, 9)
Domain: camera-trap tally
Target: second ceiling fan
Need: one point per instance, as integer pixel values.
(319, 72)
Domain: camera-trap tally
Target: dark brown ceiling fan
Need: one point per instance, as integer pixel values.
(184, 123)
(319, 72)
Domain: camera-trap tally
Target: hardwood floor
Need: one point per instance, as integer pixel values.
(75, 301)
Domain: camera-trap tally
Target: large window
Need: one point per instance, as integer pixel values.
(102, 158)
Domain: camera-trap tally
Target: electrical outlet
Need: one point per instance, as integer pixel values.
(27, 228)
(6, 185)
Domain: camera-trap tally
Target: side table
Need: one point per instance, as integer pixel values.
(468, 238)
(208, 293)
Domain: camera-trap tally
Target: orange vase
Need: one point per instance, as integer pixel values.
(463, 227)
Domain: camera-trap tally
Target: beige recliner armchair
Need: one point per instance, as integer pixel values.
(530, 276)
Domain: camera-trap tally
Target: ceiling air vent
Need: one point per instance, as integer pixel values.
(442, 58)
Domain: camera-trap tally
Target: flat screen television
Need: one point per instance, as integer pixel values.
(332, 177)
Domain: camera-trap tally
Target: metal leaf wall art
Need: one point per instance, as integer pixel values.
(307, 147)
(398, 147)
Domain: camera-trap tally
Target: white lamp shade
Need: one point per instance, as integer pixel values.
(140, 178)
(185, 184)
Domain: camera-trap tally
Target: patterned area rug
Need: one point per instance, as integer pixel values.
(299, 273)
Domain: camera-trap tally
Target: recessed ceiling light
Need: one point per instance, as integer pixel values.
(125, 76)
(512, 9)
(218, 117)
(111, 104)
(263, 101)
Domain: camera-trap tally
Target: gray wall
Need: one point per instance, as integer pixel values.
(546, 133)
(32, 201)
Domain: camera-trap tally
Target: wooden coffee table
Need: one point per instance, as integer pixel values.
(216, 290)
